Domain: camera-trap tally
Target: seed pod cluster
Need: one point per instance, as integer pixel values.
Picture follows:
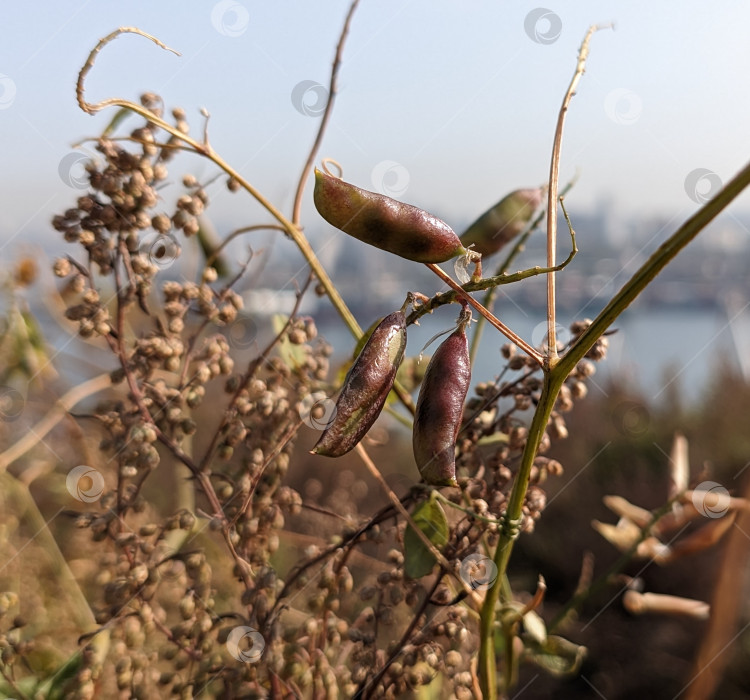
(366, 387)
(440, 408)
(502, 222)
(383, 222)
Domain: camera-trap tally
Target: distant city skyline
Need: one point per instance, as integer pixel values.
(445, 105)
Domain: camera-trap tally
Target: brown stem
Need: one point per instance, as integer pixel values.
(554, 175)
(441, 560)
(332, 89)
(491, 318)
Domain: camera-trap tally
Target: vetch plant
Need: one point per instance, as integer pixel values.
(440, 407)
(227, 590)
(383, 222)
(366, 387)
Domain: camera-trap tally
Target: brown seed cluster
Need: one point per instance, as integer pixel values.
(495, 433)
(173, 354)
(197, 390)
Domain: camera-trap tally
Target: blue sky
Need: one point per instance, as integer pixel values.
(449, 104)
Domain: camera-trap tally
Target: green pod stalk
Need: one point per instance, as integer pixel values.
(366, 387)
(440, 408)
(385, 223)
(503, 222)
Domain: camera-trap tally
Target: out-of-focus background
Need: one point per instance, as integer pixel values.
(450, 106)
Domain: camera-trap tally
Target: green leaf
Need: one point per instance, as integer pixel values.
(292, 355)
(429, 517)
(557, 655)
(120, 116)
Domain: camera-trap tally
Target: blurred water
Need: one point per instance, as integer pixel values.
(654, 351)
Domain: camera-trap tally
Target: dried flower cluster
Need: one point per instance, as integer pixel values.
(331, 625)
(242, 577)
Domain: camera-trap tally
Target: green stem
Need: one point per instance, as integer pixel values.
(509, 531)
(488, 283)
(553, 380)
(489, 299)
(652, 267)
(518, 248)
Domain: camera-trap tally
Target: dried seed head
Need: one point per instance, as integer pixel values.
(62, 267)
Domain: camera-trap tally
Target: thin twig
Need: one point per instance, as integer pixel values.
(493, 320)
(554, 175)
(239, 232)
(442, 561)
(489, 299)
(373, 682)
(489, 283)
(90, 60)
(53, 417)
(332, 89)
(203, 149)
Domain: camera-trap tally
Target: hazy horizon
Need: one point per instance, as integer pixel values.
(440, 105)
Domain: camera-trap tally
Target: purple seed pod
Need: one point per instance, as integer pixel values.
(366, 387)
(440, 408)
(502, 222)
(383, 222)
